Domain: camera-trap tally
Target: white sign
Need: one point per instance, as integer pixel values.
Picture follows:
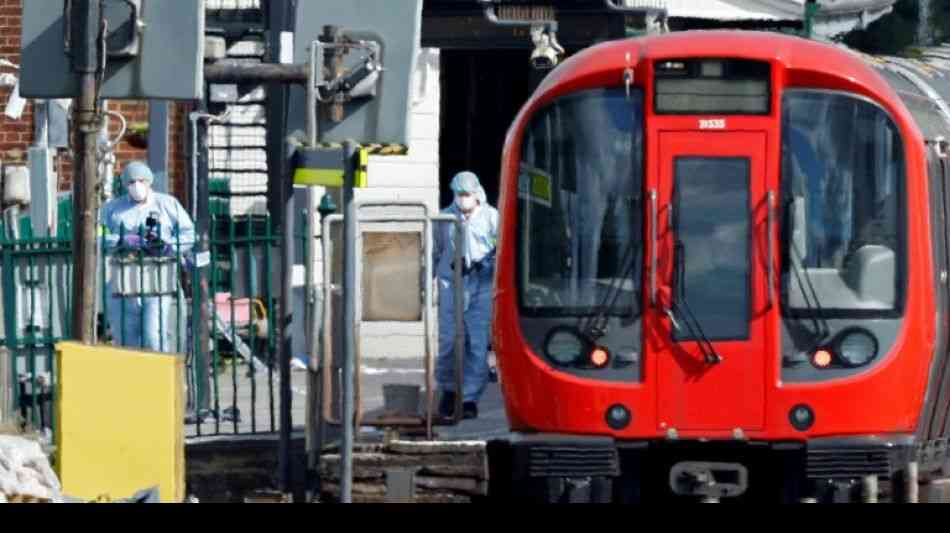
(712, 124)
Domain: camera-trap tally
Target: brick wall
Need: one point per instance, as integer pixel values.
(16, 136)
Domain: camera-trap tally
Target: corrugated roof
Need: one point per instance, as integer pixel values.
(859, 11)
(711, 9)
(927, 76)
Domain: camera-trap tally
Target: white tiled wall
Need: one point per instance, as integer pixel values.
(410, 177)
(414, 176)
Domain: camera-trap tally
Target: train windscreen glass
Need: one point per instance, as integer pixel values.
(843, 262)
(581, 206)
(580, 253)
(713, 251)
(705, 86)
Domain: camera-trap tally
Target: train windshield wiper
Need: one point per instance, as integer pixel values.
(681, 307)
(595, 326)
(812, 304)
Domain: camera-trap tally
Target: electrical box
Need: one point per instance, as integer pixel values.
(381, 114)
(153, 51)
(125, 24)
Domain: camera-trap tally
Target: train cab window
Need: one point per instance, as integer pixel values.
(580, 219)
(843, 173)
(843, 233)
(580, 191)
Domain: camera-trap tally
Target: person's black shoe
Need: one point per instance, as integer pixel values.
(447, 405)
(469, 410)
(231, 414)
(196, 417)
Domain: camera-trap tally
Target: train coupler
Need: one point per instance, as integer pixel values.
(709, 481)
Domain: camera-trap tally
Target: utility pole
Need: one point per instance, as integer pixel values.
(86, 19)
(923, 26)
(811, 11)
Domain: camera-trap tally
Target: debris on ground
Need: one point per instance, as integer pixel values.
(151, 495)
(412, 472)
(25, 472)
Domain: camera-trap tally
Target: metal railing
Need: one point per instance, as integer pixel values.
(145, 302)
(35, 276)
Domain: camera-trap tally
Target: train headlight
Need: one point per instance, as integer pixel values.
(565, 346)
(856, 347)
(599, 357)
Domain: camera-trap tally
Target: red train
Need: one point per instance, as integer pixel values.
(722, 273)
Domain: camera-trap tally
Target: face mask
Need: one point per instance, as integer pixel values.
(466, 203)
(138, 191)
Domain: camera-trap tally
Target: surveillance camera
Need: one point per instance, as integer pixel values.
(547, 52)
(545, 59)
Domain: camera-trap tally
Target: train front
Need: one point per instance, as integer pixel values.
(705, 282)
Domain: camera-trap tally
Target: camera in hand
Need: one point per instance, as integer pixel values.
(152, 231)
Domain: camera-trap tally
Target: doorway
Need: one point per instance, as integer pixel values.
(482, 92)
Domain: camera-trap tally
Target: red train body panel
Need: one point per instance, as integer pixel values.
(678, 396)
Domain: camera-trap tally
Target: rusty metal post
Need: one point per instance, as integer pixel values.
(86, 17)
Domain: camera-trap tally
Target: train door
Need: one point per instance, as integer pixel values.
(710, 350)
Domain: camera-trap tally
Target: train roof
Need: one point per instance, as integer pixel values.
(922, 82)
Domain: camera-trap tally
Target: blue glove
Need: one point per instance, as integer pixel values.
(131, 241)
(159, 249)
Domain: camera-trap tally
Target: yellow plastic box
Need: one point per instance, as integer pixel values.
(119, 422)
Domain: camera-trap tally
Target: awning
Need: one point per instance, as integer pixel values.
(834, 17)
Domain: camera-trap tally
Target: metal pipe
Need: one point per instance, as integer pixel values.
(427, 318)
(6, 385)
(312, 118)
(85, 196)
(327, 392)
(200, 285)
(349, 317)
(194, 117)
(459, 298)
(286, 267)
(256, 73)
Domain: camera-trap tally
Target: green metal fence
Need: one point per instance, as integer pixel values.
(239, 392)
(35, 274)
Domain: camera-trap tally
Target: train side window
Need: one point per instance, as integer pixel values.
(843, 175)
(938, 206)
(942, 173)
